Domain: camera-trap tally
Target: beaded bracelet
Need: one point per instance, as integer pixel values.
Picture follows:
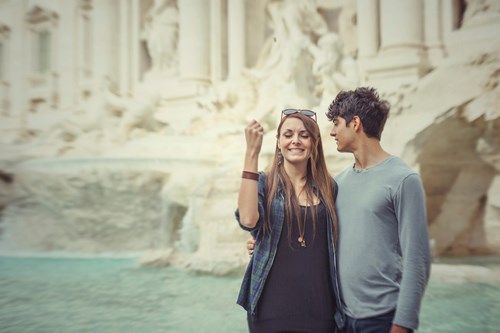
(250, 175)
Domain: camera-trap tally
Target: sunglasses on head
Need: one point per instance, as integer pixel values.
(309, 113)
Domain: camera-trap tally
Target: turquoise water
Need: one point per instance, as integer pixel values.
(115, 295)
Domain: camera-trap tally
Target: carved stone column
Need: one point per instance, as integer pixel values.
(368, 27)
(67, 89)
(401, 24)
(236, 36)
(401, 58)
(124, 47)
(216, 42)
(129, 36)
(194, 66)
(135, 71)
(194, 45)
(5, 75)
(433, 31)
(104, 45)
(17, 82)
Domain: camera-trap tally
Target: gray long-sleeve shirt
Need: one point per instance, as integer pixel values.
(383, 257)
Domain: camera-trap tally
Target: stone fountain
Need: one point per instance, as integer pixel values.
(148, 165)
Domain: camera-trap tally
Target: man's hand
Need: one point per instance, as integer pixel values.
(250, 246)
(398, 329)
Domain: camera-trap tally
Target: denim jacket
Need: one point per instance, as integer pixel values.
(265, 251)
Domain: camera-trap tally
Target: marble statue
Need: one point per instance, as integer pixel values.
(334, 70)
(283, 68)
(161, 32)
(284, 74)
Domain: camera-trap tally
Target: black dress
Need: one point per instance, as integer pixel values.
(298, 296)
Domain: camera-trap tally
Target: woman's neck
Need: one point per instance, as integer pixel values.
(298, 177)
(296, 173)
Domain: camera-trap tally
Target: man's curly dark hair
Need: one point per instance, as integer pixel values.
(365, 103)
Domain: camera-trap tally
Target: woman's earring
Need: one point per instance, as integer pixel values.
(280, 157)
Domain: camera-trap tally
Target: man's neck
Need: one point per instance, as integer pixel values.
(369, 153)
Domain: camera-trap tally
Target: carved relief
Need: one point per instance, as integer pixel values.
(161, 32)
(479, 12)
(42, 43)
(4, 75)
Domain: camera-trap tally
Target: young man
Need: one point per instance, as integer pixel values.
(383, 245)
(383, 248)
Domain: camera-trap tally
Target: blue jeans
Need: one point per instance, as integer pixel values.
(378, 324)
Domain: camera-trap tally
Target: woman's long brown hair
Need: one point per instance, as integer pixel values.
(317, 175)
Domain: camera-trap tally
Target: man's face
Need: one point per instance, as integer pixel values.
(343, 134)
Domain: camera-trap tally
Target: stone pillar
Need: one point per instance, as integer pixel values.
(401, 24)
(104, 40)
(194, 44)
(258, 20)
(368, 27)
(85, 21)
(194, 66)
(217, 47)
(17, 70)
(236, 36)
(67, 88)
(401, 58)
(124, 47)
(433, 31)
(129, 46)
(135, 46)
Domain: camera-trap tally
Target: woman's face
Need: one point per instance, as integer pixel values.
(294, 141)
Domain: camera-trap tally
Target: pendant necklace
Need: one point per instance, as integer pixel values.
(302, 230)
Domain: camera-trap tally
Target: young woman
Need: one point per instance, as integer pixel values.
(291, 281)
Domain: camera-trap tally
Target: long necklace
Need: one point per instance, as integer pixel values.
(302, 229)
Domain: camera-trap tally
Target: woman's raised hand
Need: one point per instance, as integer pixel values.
(248, 196)
(254, 134)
